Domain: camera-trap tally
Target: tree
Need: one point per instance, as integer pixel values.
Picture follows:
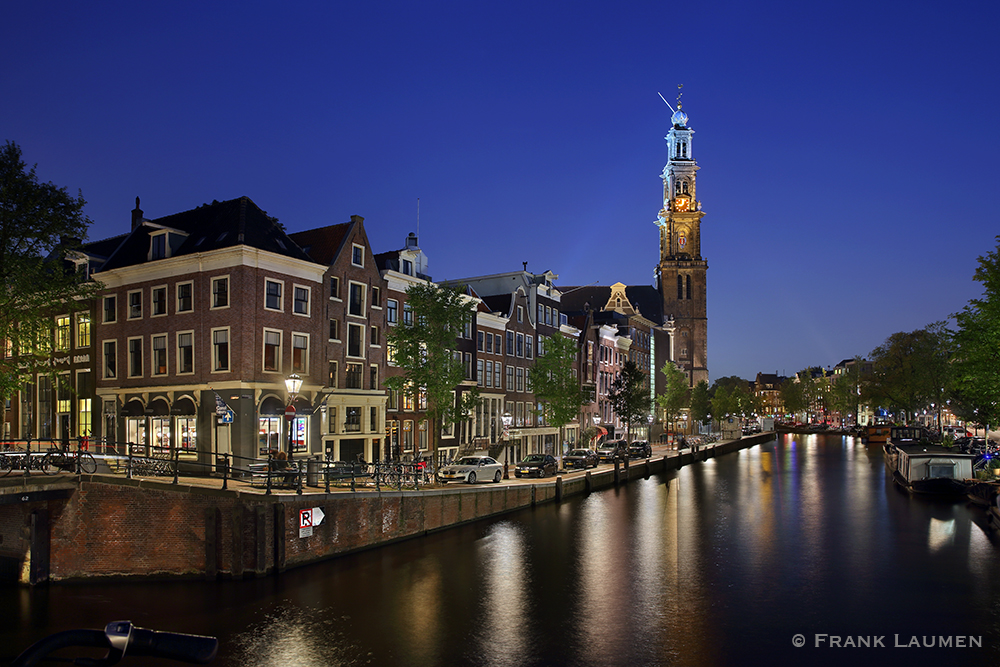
(422, 348)
(845, 395)
(909, 370)
(41, 226)
(701, 402)
(977, 347)
(554, 384)
(793, 395)
(629, 396)
(676, 392)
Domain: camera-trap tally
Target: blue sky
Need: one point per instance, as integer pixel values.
(847, 150)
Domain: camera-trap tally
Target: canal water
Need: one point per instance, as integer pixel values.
(733, 561)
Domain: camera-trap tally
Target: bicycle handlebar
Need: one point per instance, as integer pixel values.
(122, 638)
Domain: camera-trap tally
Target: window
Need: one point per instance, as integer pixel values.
(334, 329)
(479, 372)
(373, 419)
(489, 343)
(62, 333)
(272, 350)
(159, 304)
(220, 349)
(409, 402)
(220, 292)
(358, 255)
(84, 388)
(373, 377)
(520, 314)
(527, 379)
(489, 374)
(134, 305)
(158, 247)
(520, 379)
(496, 374)
(390, 353)
(510, 343)
(467, 328)
(510, 378)
(334, 287)
(300, 353)
(272, 295)
(353, 376)
(528, 347)
(520, 345)
(185, 352)
(356, 304)
(479, 340)
(407, 314)
(374, 335)
(391, 312)
(391, 400)
(467, 362)
(332, 424)
(331, 374)
(497, 338)
(680, 287)
(301, 303)
(160, 355)
(110, 309)
(355, 334)
(407, 267)
(688, 283)
(110, 359)
(134, 357)
(83, 329)
(352, 419)
(541, 314)
(184, 299)
(376, 297)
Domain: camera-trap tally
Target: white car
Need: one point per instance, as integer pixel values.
(471, 469)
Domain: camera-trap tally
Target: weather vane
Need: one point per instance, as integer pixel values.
(679, 93)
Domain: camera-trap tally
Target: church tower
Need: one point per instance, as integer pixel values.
(681, 273)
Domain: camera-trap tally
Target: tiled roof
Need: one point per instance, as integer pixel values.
(210, 227)
(323, 244)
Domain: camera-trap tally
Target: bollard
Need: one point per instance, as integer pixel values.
(298, 477)
(268, 492)
(27, 456)
(176, 464)
(225, 471)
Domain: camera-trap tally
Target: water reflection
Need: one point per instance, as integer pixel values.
(505, 636)
(296, 637)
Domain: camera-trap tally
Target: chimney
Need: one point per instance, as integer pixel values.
(136, 214)
(411, 241)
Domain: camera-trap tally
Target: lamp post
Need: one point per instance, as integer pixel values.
(293, 383)
(507, 421)
(649, 430)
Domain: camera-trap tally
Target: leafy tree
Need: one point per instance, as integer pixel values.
(908, 370)
(675, 396)
(977, 348)
(423, 350)
(793, 394)
(701, 402)
(845, 395)
(629, 396)
(40, 228)
(554, 384)
(723, 404)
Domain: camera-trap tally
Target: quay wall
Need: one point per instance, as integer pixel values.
(106, 526)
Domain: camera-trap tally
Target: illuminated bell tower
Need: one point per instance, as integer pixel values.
(682, 270)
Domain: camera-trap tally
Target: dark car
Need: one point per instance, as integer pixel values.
(609, 451)
(640, 449)
(580, 459)
(538, 465)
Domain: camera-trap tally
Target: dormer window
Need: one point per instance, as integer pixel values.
(407, 267)
(158, 246)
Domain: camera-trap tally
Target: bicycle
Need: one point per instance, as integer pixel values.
(73, 462)
(121, 638)
(12, 460)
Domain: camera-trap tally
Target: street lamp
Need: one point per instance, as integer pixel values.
(507, 421)
(293, 383)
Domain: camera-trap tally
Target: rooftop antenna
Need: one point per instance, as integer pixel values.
(418, 218)
(666, 102)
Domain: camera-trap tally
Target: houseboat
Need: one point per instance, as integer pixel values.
(920, 466)
(877, 433)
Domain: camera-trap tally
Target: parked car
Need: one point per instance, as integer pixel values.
(614, 449)
(580, 459)
(471, 469)
(538, 465)
(640, 449)
(954, 432)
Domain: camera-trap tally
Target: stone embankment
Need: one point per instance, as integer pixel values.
(59, 529)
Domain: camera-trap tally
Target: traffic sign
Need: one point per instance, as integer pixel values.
(308, 519)
(290, 412)
(227, 418)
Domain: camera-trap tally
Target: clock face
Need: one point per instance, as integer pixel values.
(681, 203)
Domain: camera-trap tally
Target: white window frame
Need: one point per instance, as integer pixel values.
(281, 295)
(278, 355)
(104, 309)
(128, 357)
(177, 297)
(128, 305)
(229, 346)
(308, 300)
(364, 299)
(152, 355)
(356, 249)
(104, 358)
(177, 347)
(229, 292)
(362, 337)
(152, 301)
(304, 368)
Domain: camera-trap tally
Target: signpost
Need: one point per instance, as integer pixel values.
(309, 519)
(290, 413)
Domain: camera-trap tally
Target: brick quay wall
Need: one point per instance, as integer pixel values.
(106, 526)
